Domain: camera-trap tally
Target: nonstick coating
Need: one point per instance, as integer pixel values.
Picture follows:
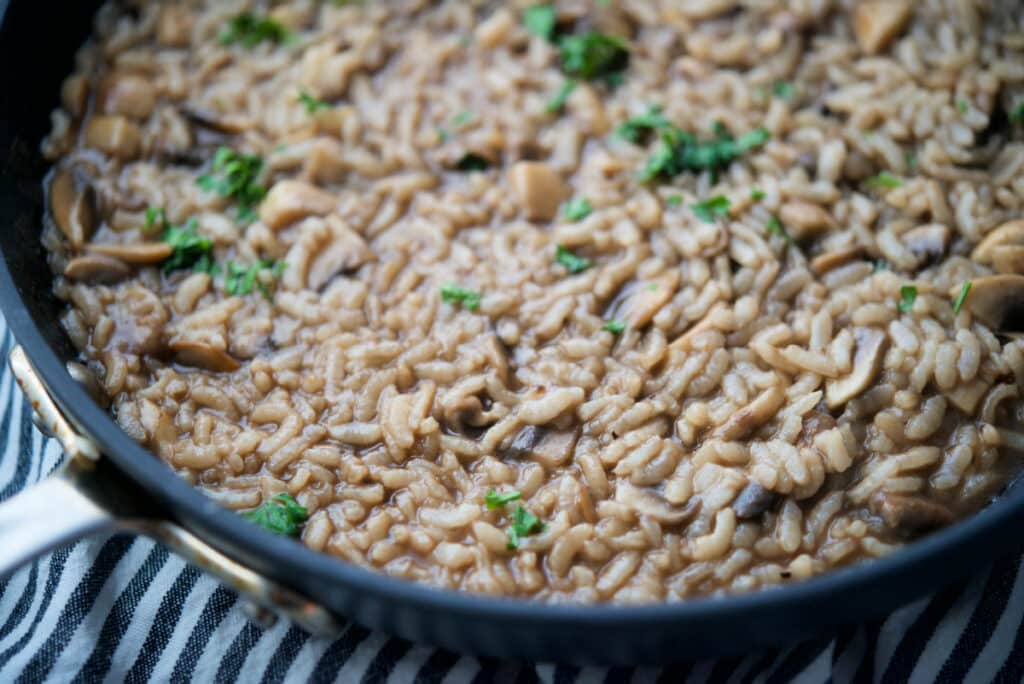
(37, 44)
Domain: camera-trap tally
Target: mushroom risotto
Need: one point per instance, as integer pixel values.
(628, 301)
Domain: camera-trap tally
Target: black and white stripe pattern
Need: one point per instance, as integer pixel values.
(123, 609)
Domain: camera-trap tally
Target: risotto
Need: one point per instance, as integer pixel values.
(624, 301)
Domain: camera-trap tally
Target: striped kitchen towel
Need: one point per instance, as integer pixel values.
(122, 609)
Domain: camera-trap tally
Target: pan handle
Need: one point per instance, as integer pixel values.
(88, 495)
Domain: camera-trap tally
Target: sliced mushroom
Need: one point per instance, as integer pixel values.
(524, 441)
(114, 135)
(127, 94)
(645, 502)
(1008, 258)
(174, 26)
(291, 200)
(82, 374)
(997, 301)
(554, 448)
(823, 263)
(231, 124)
(649, 299)
(137, 253)
(867, 361)
(817, 422)
(804, 220)
(74, 94)
(1011, 233)
(73, 211)
(753, 415)
(927, 243)
(539, 189)
(96, 268)
(911, 514)
(699, 10)
(346, 251)
(203, 355)
(752, 501)
(877, 22)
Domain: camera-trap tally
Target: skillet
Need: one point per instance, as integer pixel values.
(128, 488)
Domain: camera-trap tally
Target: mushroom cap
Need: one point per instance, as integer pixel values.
(1010, 233)
(73, 210)
(96, 268)
(202, 355)
(996, 300)
(134, 253)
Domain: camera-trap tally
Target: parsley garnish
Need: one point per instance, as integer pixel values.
(884, 180)
(190, 248)
(281, 515)
(312, 103)
(783, 89)
(680, 151)
(572, 262)
(153, 216)
(249, 30)
(908, 295)
(577, 209)
(462, 118)
(757, 194)
(594, 55)
(240, 280)
(634, 128)
(472, 162)
(540, 20)
(961, 106)
(524, 524)
(558, 100)
(965, 290)
(494, 500)
(453, 294)
(775, 227)
(1017, 114)
(234, 175)
(674, 200)
(710, 210)
(616, 327)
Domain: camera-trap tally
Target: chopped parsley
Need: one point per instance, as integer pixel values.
(235, 175)
(541, 20)
(1017, 114)
(775, 227)
(908, 295)
(757, 194)
(594, 55)
(572, 262)
(495, 500)
(558, 100)
(712, 209)
(241, 280)
(577, 209)
(910, 158)
(156, 217)
(674, 200)
(312, 103)
(616, 327)
(965, 290)
(524, 524)
(884, 180)
(961, 106)
(453, 294)
(462, 118)
(249, 30)
(471, 161)
(680, 151)
(635, 128)
(191, 250)
(783, 89)
(281, 515)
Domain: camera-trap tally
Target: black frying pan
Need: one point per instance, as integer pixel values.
(37, 44)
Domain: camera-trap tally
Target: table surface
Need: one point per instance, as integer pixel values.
(122, 608)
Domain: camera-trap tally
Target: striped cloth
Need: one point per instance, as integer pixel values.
(122, 609)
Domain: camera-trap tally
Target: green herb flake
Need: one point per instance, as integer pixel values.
(241, 280)
(561, 96)
(234, 175)
(249, 30)
(191, 250)
(965, 290)
(635, 128)
(593, 55)
(674, 200)
(775, 227)
(524, 524)
(495, 500)
(884, 181)
(472, 161)
(453, 294)
(312, 103)
(1017, 114)
(577, 209)
(908, 295)
(962, 106)
(616, 327)
(680, 151)
(155, 218)
(281, 515)
(572, 262)
(540, 20)
(911, 159)
(712, 209)
(879, 265)
(462, 118)
(757, 194)
(783, 90)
